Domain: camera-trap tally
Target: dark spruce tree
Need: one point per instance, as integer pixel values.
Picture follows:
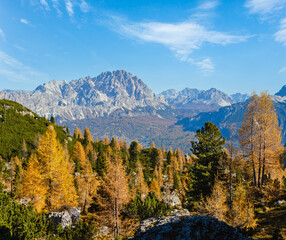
(208, 150)
(133, 156)
(101, 163)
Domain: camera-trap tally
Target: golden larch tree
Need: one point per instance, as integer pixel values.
(140, 184)
(116, 144)
(78, 133)
(34, 186)
(242, 212)
(159, 176)
(152, 145)
(16, 176)
(57, 171)
(155, 188)
(160, 159)
(215, 205)
(106, 140)
(260, 138)
(116, 186)
(87, 135)
(87, 183)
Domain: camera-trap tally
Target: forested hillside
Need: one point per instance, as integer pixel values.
(45, 170)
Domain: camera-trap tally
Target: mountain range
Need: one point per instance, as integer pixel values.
(231, 117)
(122, 105)
(88, 97)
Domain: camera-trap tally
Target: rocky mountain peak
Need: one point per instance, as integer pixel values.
(52, 86)
(90, 97)
(239, 97)
(282, 92)
(189, 96)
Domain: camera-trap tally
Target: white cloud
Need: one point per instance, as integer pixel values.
(69, 7)
(45, 4)
(280, 36)
(208, 5)
(206, 65)
(264, 6)
(182, 38)
(56, 6)
(2, 35)
(282, 70)
(25, 21)
(13, 70)
(84, 7)
(20, 48)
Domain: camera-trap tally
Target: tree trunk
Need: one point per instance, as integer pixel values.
(263, 165)
(252, 157)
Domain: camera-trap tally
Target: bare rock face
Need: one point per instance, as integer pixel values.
(180, 225)
(212, 97)
(66, 218)
(88, 97)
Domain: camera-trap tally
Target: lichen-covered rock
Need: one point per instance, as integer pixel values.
(66, 218)
(172, 199)
(181, 226)
(171, 217)
(104, 230)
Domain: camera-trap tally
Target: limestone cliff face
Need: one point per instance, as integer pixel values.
(90, 97)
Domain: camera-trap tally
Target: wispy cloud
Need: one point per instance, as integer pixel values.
(13, 70)
(2, 35)
(182, 38)
(208, 5)
(56, 6)
(69, 7)
(84, 7)
(270, 8)
(25, 21)
(280, 36)
(45, 4)
(264, 6)
(282, 70)
(20, 48)
(206, 65)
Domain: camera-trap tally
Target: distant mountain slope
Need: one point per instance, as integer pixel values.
(194, 101)
(90, 97)
(145, 129)
(230, 116)
(282, 92)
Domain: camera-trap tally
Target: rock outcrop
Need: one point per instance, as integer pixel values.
(172, 199)
(66, 218)
(180, 225)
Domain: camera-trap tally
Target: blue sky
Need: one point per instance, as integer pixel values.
(234, 46)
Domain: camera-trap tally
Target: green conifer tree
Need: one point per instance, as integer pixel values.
(209, 151)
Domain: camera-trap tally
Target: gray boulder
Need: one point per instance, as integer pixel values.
(180, 225)
(172, 199)
(66, 217)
